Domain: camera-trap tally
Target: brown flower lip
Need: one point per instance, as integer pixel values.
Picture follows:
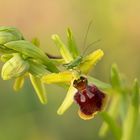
(89, 98)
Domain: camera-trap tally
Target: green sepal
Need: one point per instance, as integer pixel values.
(68, 100)
(19, 82)
(27, 48)
(99, 83)
(37, 69)
(61, 77)
(39, 88)
(63, 49)
(31, 51)
(72, 44)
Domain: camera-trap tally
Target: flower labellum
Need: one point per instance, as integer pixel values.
(89, 98)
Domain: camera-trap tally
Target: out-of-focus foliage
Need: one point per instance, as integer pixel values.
(115, 22)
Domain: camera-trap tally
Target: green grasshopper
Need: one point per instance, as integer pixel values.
(79, 59)
(76, 62)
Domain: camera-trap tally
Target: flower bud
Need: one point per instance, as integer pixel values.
(15, 67)
(19, 82)
(8, 34)
(5, 57)
(30, 50)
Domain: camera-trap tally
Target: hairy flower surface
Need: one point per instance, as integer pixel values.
(89, 98)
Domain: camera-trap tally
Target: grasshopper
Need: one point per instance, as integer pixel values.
(76, 62)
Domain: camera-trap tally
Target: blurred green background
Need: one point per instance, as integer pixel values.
(115, 22)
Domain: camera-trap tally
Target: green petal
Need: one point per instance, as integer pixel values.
(39, 88)
(65, 76)
(90, 60)
(63, 49)
(68, 100)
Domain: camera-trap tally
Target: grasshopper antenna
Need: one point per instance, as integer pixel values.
(89, 45)
(85, 39)
(86, 35)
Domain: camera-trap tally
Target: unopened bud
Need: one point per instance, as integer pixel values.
(15, 67)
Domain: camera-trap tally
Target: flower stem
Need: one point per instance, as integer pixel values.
(130, 121)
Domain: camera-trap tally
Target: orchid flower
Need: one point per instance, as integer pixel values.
(76, 69)
(23, 59)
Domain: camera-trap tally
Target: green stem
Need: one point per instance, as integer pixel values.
(112, 111)
(112, 125)
(130, 121)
